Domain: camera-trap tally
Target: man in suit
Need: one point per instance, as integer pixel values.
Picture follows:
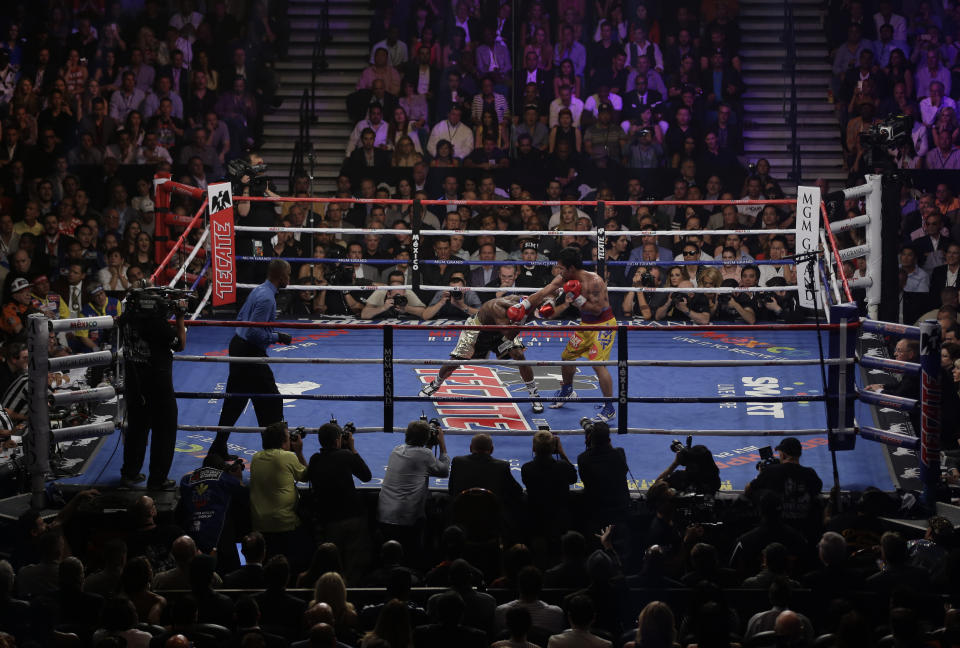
(947, 274)
(481, 276)
(638, 99)
(480, 469)
(932, 245)
(909, 384)
(452, 93)
(506, 278)
(249, 576)
(421, 74)
(367, 157)
(531, 73)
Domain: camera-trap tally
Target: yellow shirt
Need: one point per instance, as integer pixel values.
(21, 227)
(274, 474)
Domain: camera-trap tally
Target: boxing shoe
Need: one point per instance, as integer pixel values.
(606, 414)
(564, 392)
(429, 389)
(537, 405)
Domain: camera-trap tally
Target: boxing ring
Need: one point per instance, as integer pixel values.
(731, 387)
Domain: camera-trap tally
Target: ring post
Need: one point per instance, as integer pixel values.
(38, 440)
(841, 383)
(622, 373)
(930, 410)
(415, 242)
(388, 378)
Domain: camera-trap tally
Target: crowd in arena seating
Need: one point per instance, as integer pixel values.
(491, 562)
(893, 60)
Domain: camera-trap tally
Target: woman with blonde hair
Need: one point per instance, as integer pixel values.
(405, 155)
(332, 590)
(656, 627)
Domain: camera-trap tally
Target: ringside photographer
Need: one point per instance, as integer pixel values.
(401, 509)
(151, 405)
(700, 473)
(799, 486)
(338, 513)
(603, 471)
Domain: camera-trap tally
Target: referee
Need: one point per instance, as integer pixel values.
(252, 342)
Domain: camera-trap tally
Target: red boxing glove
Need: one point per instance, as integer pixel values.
(546, 310)
(518, 312)
(572, 292)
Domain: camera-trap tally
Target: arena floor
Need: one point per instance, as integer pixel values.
(648, 455)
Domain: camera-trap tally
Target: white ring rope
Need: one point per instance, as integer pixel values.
(862, 220)
(512, 363)
(203, 302)
(193, 253)
(442, 232)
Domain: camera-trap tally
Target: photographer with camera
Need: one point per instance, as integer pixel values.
(394, 303)
(338, 513)
(274, 473)
(640, 303)
(458, 303)
(603, 471)
(687, 307)
(799, 486)
(252, 342)
(214, 508)
(700, 473)
(402, 507)
(780, 305)
(150, 340)
(548, 478)
(736, 306)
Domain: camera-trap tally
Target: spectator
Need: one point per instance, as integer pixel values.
(945, 155)
(381, 69)
(896, 572)
(581, 614)
(251, 575)
(278, 608)
(908, 386)
(454, 131)
(449, 631)
(603, 471)
(934, 102)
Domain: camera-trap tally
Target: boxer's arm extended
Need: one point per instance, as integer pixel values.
(529, 303)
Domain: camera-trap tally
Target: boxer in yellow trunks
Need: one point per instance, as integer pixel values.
(588, 292)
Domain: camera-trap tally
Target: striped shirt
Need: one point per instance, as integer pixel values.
(16, 399)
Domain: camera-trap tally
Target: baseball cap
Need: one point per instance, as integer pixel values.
(97, 289)
(790, 446)
(19, 284)
(40, 278)
(604, 106)
(529, 245)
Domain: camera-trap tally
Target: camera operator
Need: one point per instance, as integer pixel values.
(780, 305)
(338, 512)
(214, 508)
(150, 340)
(457, 303)
(248, 175)
(274, 473)
(640, 303)
(603, 471)
(799, 486)
(402, 508)
(395, 303)
(700, 473)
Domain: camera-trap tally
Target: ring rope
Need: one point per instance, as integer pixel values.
(429, 232)
(496, 327)
(513, 363)
(500, 203)
(511, 262)
(579, 432)
(190, 257)
(515, 399)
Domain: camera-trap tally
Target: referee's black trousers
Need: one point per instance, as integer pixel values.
(247, 379)
(151, 407)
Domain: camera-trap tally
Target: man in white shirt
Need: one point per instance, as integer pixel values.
(932, 71)
(568, 101)
(396, 49)
(886, 17)
(454, 131)
(374, 122)
(640, 45)
(529, 584)
(127, 99)
(603, 96)
(934, 102)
